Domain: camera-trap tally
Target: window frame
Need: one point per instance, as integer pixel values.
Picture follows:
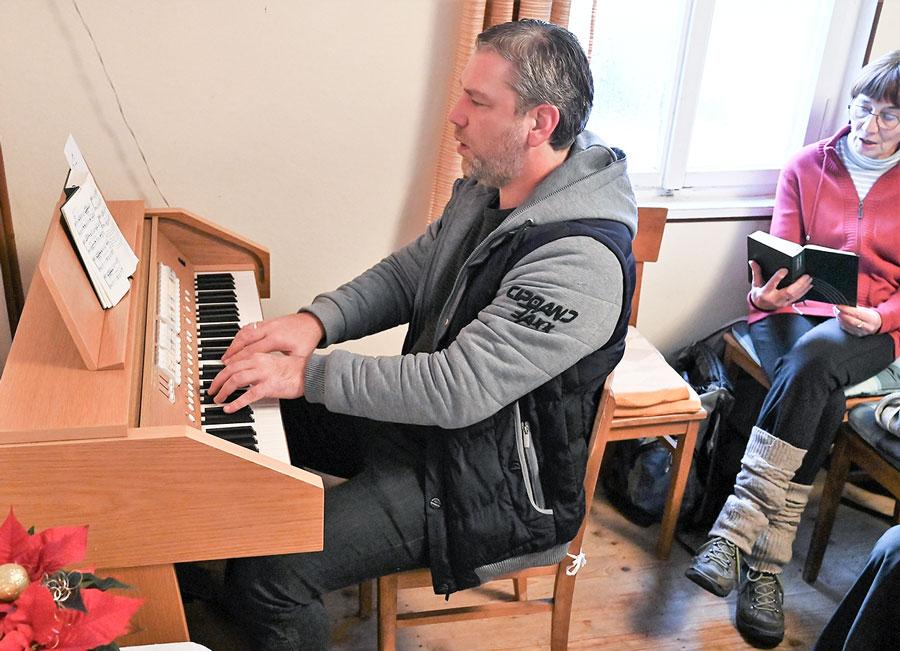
(842, 57)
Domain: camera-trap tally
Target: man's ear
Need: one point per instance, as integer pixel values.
(546, 117)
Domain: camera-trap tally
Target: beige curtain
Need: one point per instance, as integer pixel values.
(477, 16)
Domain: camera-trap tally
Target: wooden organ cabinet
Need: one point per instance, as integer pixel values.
(101, 418)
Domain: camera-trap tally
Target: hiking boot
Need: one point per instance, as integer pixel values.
(716, 567)
(760, 616)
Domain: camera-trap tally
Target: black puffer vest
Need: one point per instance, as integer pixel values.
(512, 483)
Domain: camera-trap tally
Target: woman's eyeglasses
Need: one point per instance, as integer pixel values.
(886, 119)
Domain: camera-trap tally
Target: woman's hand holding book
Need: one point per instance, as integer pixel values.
(767, 297)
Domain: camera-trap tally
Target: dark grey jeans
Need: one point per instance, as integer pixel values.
(810, 361)
(374, 525)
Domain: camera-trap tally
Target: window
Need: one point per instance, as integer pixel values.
(713, 94)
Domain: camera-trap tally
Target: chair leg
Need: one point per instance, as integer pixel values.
(563, 593)
(521, 588)
(387, 613)
(831, 496)
(681, 461)
(728, 361)
(366, 593)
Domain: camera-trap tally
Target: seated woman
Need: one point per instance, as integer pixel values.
(866, 618)
(843, 193)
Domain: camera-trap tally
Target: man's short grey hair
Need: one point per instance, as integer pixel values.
(549, 67)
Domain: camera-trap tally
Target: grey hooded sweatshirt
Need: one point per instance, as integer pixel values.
(502, 354)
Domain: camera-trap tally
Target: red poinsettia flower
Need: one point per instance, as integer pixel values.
(15, 641)
(35, 620)
(42, 553)
(106, 619)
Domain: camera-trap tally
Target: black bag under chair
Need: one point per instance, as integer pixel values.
(721, 441)
(637, 477)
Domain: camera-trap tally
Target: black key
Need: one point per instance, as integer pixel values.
(223, 293)
(228, 292)
(248, 442)
(206, 382)
(207, 399)
(217, 307)
(223, 329)
(218, 312)
(212, 354)
(220, 411)
(205, 280)
(214, 275)
(218, 316)
(232, 432)
(216, 341)
(240, 430)
(217, 286)
(213, 284)
(215, 416)
(223, 298)
(209, 371)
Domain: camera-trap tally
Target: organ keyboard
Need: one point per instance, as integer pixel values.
(103, 421)
(215, 307)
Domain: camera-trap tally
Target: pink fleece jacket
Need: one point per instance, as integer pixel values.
(817, 203)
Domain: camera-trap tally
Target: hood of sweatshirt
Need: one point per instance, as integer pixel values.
(592, 183)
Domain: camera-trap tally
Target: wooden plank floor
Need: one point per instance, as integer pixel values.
(625, 599)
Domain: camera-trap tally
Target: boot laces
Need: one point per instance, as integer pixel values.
(764, 591)
(723, 553)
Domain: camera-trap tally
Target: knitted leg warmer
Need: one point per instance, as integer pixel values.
(772, 550)
(767, 467)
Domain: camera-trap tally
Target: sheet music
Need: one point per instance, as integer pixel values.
(104, 251)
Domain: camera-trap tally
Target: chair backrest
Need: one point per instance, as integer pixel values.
(651, 224)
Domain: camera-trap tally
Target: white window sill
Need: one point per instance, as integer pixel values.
(692, 205)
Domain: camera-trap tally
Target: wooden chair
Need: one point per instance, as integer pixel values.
(679, 431)
(606, 428)
(560, 604)
(857, 443)
(672, 427)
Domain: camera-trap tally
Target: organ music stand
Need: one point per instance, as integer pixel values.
(98, 334)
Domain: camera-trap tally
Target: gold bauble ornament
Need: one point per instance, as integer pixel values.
(13, 581)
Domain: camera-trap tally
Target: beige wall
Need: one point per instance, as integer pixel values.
(698, 284)
(887, 37)
(309, 127)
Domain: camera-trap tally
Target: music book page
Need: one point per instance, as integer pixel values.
(104, 252)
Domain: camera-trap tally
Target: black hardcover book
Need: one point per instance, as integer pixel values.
(833, 271)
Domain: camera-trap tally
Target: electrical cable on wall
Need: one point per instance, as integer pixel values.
(119, 102)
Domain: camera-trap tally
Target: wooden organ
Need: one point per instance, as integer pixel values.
(102, 417)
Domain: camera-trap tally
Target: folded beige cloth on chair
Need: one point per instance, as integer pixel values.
(645, 385)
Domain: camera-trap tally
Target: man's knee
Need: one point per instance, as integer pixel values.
(245, 593)
(265, 584)
(278, 609)
(887, 549)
